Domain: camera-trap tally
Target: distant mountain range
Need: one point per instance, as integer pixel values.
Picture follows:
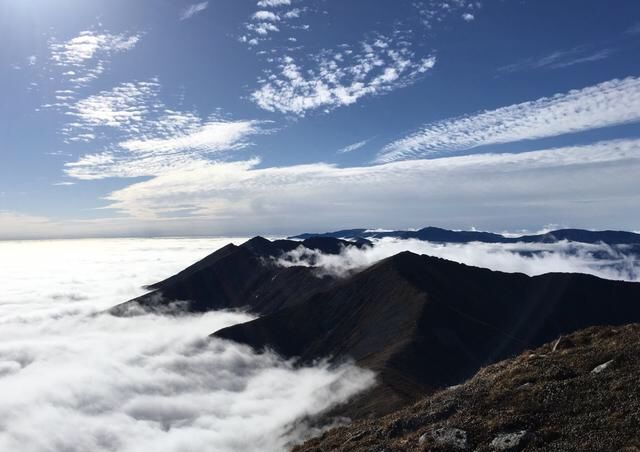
(433, 234)
(420, 322)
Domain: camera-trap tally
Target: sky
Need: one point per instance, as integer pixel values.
(233, 117)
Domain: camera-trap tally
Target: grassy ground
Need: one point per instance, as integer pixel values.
(550, 398)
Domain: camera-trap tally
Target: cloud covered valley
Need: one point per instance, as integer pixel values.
(75, 380)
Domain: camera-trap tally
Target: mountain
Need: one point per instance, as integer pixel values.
(576, 394)
(242, 276)
(424, 323)
(433, 234)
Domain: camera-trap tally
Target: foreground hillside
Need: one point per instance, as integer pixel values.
(576, 394)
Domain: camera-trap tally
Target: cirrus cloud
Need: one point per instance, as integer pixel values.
(610, 103)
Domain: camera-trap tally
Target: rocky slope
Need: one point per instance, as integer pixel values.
(423, 323)
(576, 394)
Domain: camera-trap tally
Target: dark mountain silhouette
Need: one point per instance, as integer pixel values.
(424, 323)
(240, 277)
(434, 234)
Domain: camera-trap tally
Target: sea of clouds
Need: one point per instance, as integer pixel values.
(73, 379)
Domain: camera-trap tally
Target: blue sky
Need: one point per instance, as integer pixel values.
(229, 117)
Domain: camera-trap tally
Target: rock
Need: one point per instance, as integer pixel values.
(450, 436)
(601, 367)
(509, 441)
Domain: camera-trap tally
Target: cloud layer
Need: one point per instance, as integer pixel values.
(610, 103)
(75, 381)
(490, 191)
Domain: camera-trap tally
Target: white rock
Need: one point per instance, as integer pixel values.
(601, 367)
(509, 441)
(450, 436)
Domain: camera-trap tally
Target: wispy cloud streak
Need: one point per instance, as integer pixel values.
(611, 103)
(558, 60)
(353, 147)
(194, 9)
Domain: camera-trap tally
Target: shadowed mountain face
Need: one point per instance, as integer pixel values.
(240, 277)
(433, 234)
(423, 323)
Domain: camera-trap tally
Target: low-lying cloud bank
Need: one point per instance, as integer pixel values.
(532, 259)
(74, 380)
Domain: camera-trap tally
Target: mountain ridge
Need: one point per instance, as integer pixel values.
(239, 277)
(435, 234)
(407, 312)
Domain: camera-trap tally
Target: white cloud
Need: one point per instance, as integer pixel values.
(273, 3)
(559, 59)
(610, 103)
(266, 15)
(17, 224)
(293, 13)
(147, 138)
(340, 78)
(353, 147)
(194, 9)
(262, 28)
(179, 150)
(123, 107)
(101, 383)
(211, 136)
(263, 21)
(434, 12)
(85, 57)
(491, 191)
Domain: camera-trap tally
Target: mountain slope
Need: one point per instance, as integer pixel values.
(578, 394)
(423, 322)
(239, 277)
